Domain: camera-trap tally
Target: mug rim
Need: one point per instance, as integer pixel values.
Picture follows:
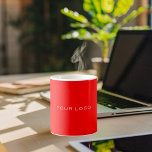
(72, 77)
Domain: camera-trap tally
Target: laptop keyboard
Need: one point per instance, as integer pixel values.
(115, 102)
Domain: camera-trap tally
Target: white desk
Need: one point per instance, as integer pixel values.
(25, 122)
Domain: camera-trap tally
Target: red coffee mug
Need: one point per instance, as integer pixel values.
(73, 104)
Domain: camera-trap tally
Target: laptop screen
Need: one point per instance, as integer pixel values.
(129, 72)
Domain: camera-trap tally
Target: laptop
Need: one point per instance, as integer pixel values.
(127, 84)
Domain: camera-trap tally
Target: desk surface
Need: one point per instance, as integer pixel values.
(25, 123)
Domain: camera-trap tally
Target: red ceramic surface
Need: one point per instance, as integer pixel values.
(73, 105)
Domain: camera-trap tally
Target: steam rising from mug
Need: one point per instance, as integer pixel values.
(78, 56)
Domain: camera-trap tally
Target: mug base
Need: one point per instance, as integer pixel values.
(73, 135)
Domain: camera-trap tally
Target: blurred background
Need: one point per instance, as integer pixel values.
(30, 35)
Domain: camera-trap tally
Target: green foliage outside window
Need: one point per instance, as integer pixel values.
(107, 18)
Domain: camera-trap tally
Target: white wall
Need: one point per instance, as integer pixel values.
(13, 46)
(14, 65)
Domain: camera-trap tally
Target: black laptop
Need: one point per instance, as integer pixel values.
(127, 85)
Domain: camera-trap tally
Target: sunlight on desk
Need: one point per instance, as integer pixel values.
(17, 134)
(1, 97)
(50, 148)
(12, 127)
